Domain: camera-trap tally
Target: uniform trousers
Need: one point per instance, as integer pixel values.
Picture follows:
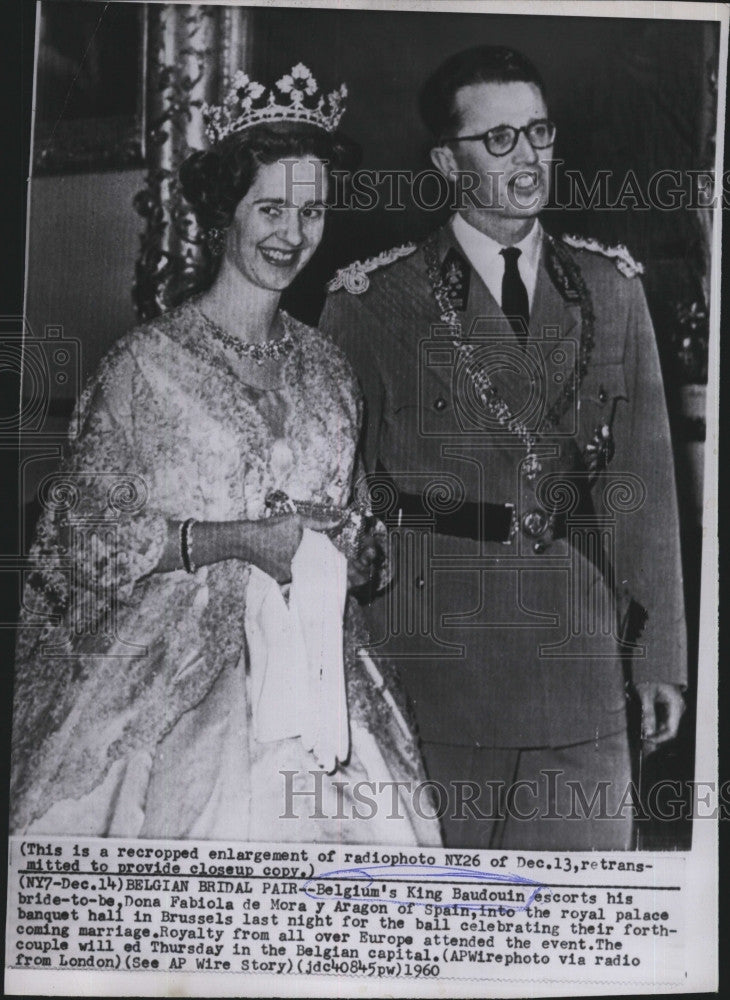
(576, 797)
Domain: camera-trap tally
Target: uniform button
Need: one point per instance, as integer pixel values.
(534, 523)
(540, 547)
(419, 583)
(602, 394)
(439, 404)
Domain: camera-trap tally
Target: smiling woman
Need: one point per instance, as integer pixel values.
(204, 645)
(272, 168)
(277, 225)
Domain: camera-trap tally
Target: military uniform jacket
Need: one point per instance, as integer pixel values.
(518, 644)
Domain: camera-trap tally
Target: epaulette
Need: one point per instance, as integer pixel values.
(354, 277)
(624, 261)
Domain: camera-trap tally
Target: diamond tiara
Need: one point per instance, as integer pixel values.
(248, 103)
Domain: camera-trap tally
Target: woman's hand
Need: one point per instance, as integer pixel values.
(281, 535)
(271, 543)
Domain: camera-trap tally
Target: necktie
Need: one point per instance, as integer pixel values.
(515, 303)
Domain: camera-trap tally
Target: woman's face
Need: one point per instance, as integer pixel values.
(279, 223)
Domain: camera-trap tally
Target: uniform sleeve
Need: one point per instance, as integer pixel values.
(350, 324)
(648, 555)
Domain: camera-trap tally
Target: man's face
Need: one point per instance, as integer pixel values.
(515, 186)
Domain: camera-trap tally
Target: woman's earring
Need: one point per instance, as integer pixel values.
(216, 240)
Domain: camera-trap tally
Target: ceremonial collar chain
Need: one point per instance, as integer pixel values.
(270, 350)
(569, 281)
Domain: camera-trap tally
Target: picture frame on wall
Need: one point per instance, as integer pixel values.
(90, 90)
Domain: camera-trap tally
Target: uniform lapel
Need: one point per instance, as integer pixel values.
(548, 305)
(480, 302)
(553, 318)
(549, 309)
(555, 329)
(482, 320)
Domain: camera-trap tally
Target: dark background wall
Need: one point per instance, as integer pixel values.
(84, 237)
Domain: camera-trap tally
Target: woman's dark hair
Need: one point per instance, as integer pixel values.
(214, 182)
(481, 64)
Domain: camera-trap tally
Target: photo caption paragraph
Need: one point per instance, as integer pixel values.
(387, 913)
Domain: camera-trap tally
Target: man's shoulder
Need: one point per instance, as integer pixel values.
(612, 263)
(393, 270)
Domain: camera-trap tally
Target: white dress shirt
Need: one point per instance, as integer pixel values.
(483, 253)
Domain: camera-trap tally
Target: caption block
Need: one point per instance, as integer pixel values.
(307, 910)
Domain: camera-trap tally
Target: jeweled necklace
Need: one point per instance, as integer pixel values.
(567, 275)
(270, 350)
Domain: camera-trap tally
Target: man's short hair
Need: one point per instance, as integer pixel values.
(481, 64)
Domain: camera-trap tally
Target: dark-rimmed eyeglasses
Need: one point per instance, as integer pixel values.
(502, 140)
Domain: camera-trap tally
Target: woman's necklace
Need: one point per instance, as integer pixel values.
(270, 350)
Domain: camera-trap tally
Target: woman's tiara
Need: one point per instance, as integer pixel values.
(248, 103)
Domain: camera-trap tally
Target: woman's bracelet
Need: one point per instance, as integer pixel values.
(186, 544)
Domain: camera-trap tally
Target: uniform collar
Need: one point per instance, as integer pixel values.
(483, 253)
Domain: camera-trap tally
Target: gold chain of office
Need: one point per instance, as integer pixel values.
(567, 276)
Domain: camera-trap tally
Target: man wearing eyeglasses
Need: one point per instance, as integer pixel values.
(518, 444)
